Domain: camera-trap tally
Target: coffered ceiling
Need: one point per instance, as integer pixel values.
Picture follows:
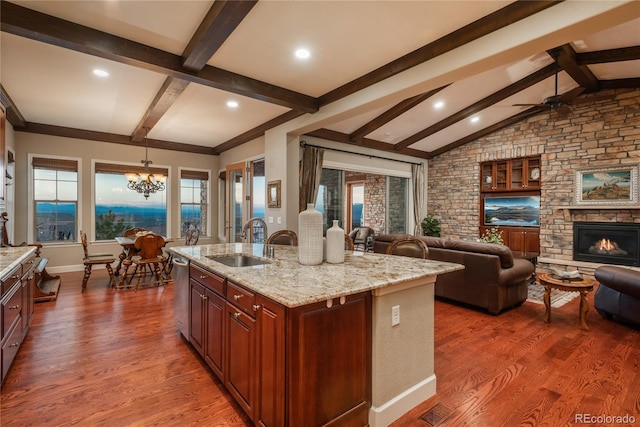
(374, 75)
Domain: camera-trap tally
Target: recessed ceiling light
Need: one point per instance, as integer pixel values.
(438, 105)
(303, 53)
(100, 73)
(475, 119)
(232, 104)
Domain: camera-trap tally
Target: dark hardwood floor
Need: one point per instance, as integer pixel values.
(114, 358)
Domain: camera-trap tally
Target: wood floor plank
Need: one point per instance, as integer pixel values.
(114, 358)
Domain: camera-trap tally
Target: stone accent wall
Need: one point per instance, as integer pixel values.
(374, 199)
(600, 134)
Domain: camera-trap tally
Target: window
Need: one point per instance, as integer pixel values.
(117, 208)
(194, 200)
(258, 189)
(330, 197)
(55, 195)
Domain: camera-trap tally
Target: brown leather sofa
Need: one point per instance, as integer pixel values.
(492, 278)
(618, 295)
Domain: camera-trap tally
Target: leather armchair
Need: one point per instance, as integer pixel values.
(618, 294)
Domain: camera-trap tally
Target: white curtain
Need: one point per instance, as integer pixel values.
(417, 173)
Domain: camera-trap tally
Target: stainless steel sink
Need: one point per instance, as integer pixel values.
(238, 260)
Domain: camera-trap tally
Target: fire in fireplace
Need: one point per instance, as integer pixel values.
(607, 242)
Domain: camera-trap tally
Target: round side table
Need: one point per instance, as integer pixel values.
(584, 286)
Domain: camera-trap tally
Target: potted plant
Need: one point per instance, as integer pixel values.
(492, 235)
(430, 226)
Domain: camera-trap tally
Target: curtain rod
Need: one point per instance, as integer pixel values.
(304, 144)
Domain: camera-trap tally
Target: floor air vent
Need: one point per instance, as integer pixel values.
(434, 416)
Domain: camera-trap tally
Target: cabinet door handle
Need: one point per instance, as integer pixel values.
(14, 307)
(237, 296)
(15, 344)
(256, 307)
(236, 315)
(204, 297)
(203, 277)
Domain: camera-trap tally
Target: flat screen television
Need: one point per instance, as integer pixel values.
(514, 211)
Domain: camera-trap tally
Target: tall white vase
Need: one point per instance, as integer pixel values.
(310, 236)
(335, 244)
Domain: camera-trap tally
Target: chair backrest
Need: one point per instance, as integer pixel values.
(193, 234)
(83, 238)
(283, 237)
(131, 233)
(348, 243)
(410, 247)
(149, 246)
(360, 235)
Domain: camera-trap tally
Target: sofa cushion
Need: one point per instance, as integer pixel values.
(501, 251)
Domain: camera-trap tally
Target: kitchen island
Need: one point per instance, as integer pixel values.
(315, 345)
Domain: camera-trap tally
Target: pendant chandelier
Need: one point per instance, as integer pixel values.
(145, 182)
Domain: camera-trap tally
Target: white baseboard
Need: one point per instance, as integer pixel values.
(382, 416)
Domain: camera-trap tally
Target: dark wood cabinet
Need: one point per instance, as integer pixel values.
(502, 183)
(522, 174)
(213, 348)
(240, 357)
(309, 365)
(271, 363)
(207, 317)
(197, 316)
(16, 310)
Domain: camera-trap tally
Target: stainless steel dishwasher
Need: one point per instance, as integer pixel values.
(180, 274)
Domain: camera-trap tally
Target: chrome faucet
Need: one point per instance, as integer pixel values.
(248, 224)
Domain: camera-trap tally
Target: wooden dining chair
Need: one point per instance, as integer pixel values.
(410, 247)
(90, 260)
(348, 243)
(283, 237)
(148, 255)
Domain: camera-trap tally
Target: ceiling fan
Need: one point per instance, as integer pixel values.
(560, 103)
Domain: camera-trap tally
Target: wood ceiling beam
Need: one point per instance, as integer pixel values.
(168, 93)
(567, 61)
(336, 136)
(257, 131)
(221, 20)
(392, 113)
(630, 83)
(223, 17)
(499, 19)
(631, 53)
(13, 113)
(38, 26)
(113, 138)
(506, 92)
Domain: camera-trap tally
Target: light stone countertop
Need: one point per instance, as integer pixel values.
(291, 284)
(11, 257)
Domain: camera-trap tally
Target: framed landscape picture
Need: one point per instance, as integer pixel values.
(607, 186)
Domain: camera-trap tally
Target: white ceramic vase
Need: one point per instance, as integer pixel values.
(335, 244)
(310, 246)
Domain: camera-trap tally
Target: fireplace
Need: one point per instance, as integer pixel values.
(607, 242)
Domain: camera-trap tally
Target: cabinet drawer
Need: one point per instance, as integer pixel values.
(11, 279)
(241, 298)
(208, 279)
(11, 306)
(10, 349)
